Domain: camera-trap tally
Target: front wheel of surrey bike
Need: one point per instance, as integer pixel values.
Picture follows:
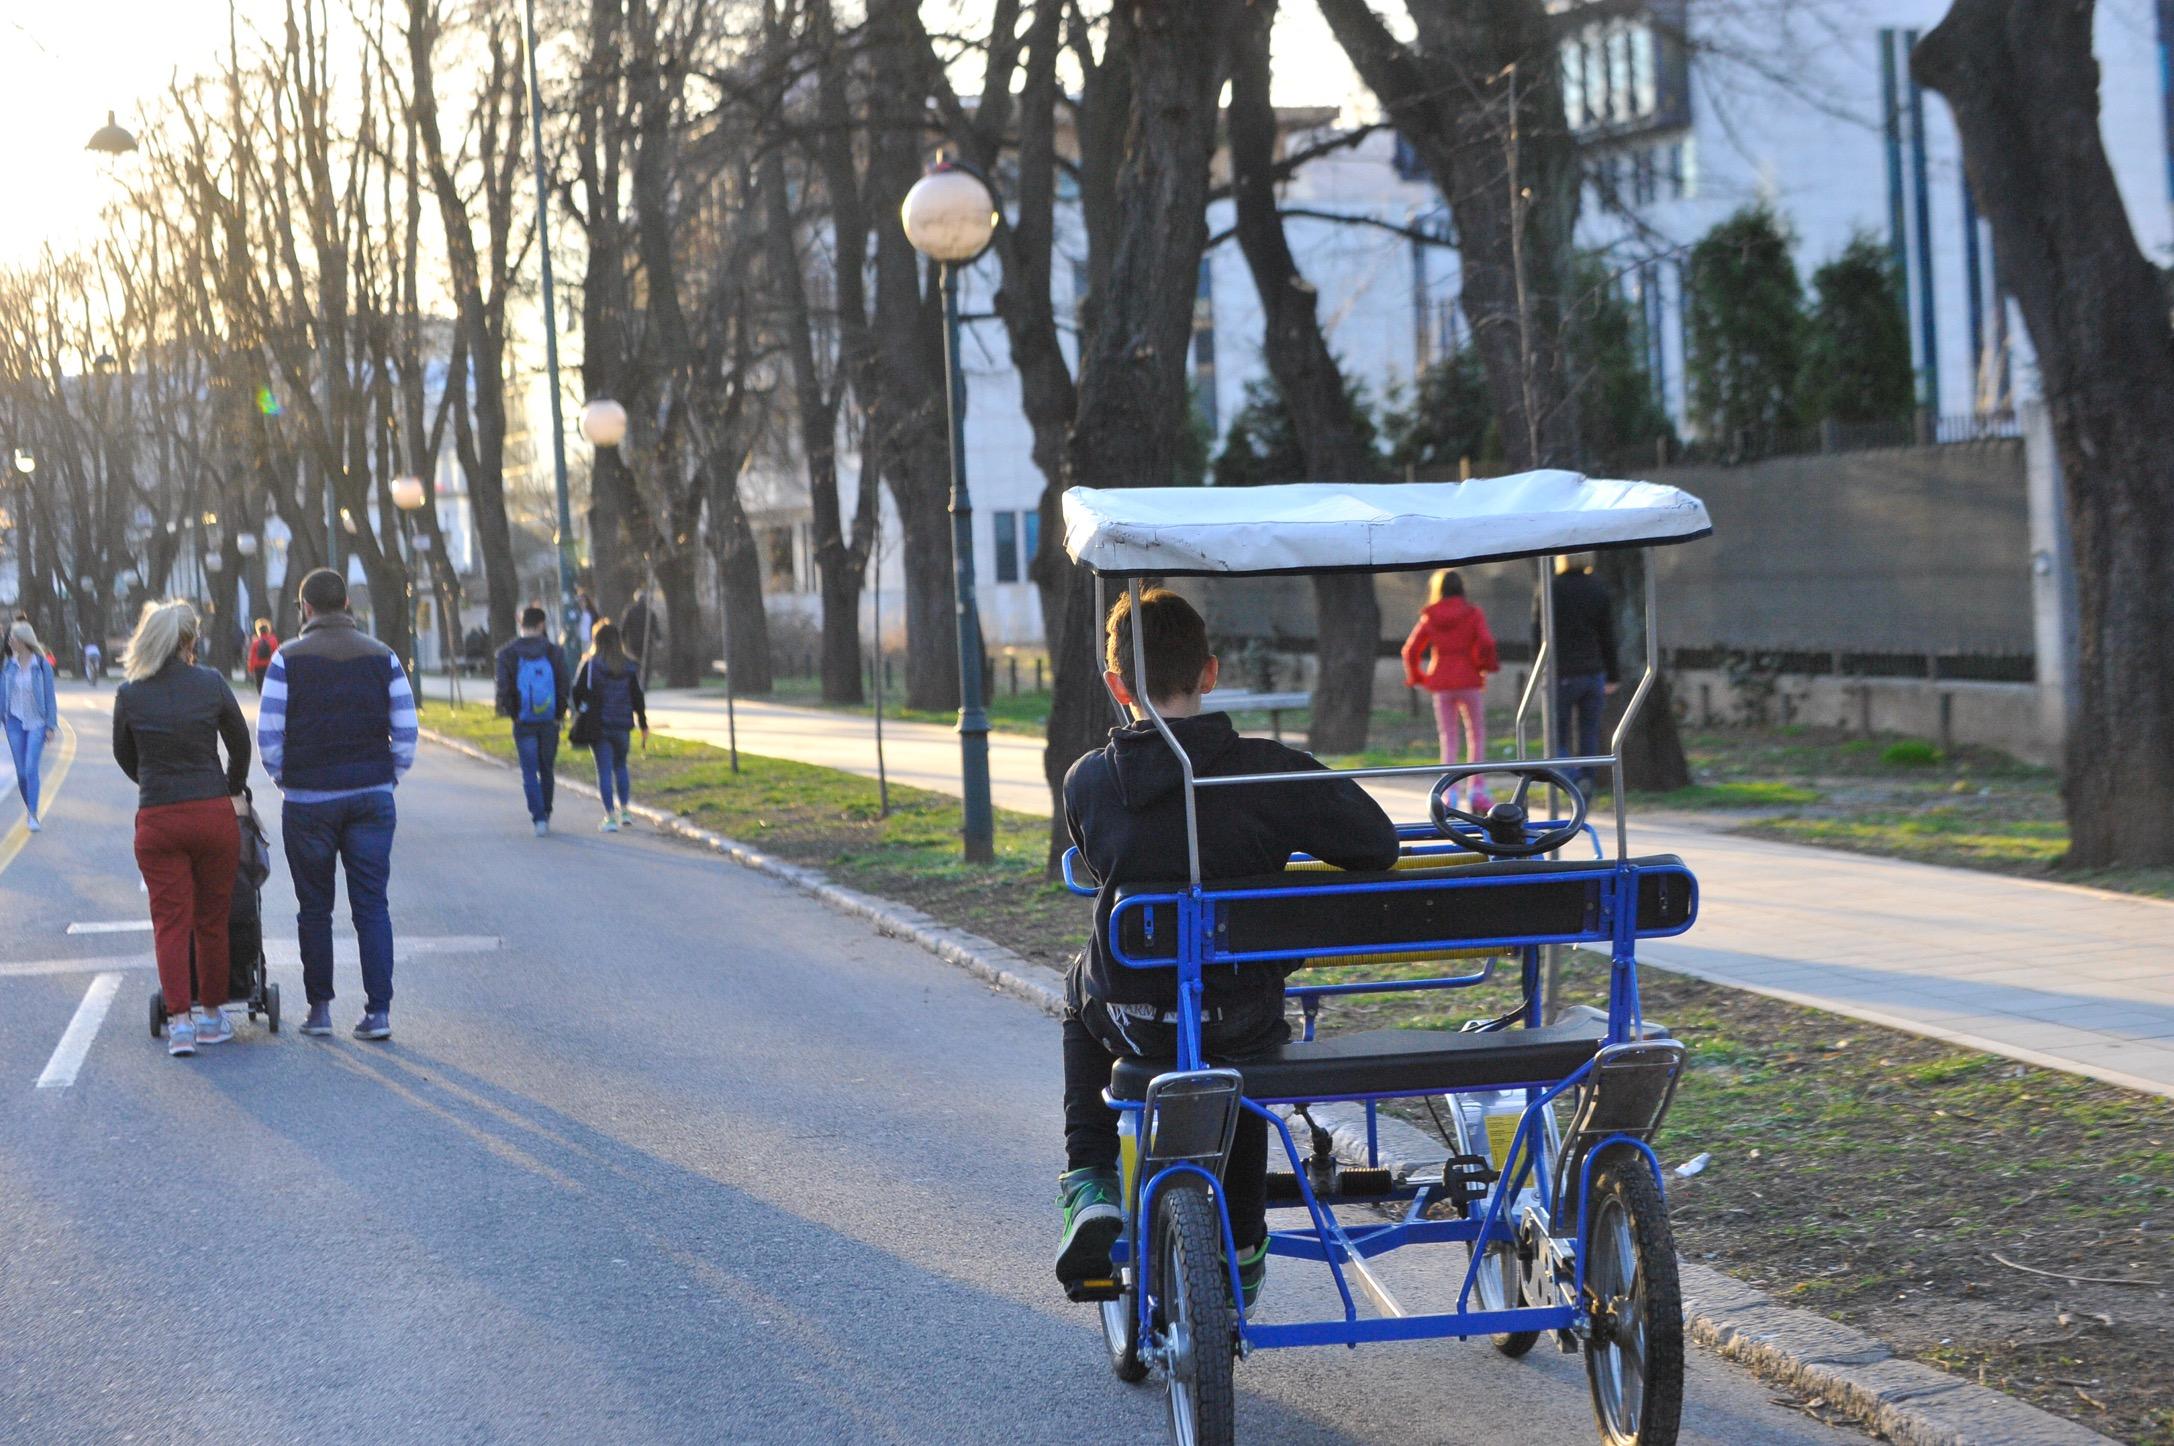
(1634, 1356)
(1195, 1320)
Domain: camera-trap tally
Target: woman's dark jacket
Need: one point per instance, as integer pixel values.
(166, 732)
(616, 693)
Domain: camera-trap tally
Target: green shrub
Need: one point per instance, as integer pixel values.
(1910, 753)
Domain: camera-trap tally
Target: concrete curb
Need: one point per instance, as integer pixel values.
(1909, 1403)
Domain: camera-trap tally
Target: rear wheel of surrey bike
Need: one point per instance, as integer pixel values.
(271, 1007)
(1121, 1333)
(1634, 1358)
(1197, 1321)
(1500, 1285)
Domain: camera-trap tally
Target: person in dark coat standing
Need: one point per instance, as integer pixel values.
(611, 685)
(533, 681)
(1585, 658)
(641, 633)
(169, 719)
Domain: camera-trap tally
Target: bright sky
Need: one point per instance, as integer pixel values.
(68, 62)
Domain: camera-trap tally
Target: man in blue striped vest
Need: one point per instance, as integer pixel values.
(337, 731)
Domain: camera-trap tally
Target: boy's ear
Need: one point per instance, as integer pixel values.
(1210, 673)
(1116, 680)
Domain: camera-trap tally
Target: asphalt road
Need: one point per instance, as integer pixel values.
(661, 1151)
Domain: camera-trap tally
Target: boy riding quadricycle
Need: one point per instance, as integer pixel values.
(1220, 864)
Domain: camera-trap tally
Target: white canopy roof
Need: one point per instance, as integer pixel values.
(1368, 527)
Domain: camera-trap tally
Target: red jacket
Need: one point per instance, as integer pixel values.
(1450, 648)
(261, 648)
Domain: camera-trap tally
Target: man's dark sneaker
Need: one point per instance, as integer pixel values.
(1093, 1219)
(1253, 1272)
(377, 1024)
(319, 1021)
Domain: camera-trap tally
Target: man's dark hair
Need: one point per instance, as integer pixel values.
(534, 617)
(1176, 640)
(325, 591)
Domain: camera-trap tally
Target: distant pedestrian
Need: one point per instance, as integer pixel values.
(533, 681)
(338, 729)
(1585, 659)
(641, 633)
(608, 693)
(261, 648)
(94, 662)
(1450, 653)
(169, 718)
(32, 709)
(586, 617)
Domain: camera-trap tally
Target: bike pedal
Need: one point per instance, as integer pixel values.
(1466, 1180)
(1084, 1291)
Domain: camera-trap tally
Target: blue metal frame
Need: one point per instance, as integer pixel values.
(1328, 1239)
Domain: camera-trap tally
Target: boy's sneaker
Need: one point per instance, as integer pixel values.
(543, 828)
(180, 1034)
(626, 818)
(609, 825)
(319, 1021)
(376, 1024)
(212, 1026)
(1252, 1273)
(33, 825)
(1093, 1219)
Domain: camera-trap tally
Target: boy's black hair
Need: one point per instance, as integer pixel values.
(534, 617)
(325, 591)
(1176, 639)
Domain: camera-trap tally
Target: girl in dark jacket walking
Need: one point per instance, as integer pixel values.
(1450, 653)
(168, 721)
(609, 685)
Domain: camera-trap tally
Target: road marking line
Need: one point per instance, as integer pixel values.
(60, 1070)
(12, 843)
(280, 954)
(113, 926)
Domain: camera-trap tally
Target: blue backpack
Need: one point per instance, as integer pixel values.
(537, 682)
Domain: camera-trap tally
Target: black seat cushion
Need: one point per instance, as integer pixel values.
(1388, 1061)
(1554, 899)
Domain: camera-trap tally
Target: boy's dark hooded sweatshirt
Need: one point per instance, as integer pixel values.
(1125, 809)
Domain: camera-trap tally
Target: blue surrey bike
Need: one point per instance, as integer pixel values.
(1551, 1184)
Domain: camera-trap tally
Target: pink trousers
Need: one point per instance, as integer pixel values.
(1467, 706)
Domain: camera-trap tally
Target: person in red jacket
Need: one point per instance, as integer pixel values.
(261, 648)
(1450, 653)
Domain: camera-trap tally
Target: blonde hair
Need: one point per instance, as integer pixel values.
(1444, 583)
(164, 630)
(27, 635)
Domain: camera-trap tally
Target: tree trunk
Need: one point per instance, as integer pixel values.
(1331, 434)
(739, 583)
(1132, 384)
(683, 630)
(932, 628)
(2023, 84)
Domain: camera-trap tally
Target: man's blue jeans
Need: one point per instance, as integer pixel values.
(357, 834)
(538, 745)
(26, 746)
(1579, 703)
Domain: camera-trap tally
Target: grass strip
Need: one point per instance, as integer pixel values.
(1864, 1173)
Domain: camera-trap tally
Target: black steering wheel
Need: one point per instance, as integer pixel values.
(1500, 832)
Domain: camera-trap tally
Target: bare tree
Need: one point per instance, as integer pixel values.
(2023, 84)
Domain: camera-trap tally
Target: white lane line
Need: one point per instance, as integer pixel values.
(60, 1070)
(280, 954)
(113, 926)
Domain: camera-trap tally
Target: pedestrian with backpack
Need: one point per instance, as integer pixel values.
(533, 681)
(259, 657)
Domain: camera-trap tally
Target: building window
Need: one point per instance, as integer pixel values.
(1620, 99)
(1204, 346)
(1007, 546)
(777, 556)
(1642, 186)
(1644, 96)
(1031, 525)
(1574, 82)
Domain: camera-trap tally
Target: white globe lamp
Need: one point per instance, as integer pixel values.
(408, 493)
(604, 422)
(950, 214)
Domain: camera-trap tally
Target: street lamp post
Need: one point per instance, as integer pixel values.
(950, 216)
(567, 608)
(409, 494)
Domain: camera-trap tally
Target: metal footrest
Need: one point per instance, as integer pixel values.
(1348, 1183)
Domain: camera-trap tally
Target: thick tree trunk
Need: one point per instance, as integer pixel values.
(739, 581)
(932, 629)
(684, 633)
(1132, 382)
(1331, 435)
(2023, 84)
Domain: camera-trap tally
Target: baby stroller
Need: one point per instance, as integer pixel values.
(248, 978)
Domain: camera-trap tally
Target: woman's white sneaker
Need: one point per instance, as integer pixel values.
(212, 1026)
(180, 1034)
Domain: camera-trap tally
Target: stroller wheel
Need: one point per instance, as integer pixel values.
(271, 1007)
(158, 1014)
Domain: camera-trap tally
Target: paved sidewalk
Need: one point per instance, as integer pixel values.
(2076, 979)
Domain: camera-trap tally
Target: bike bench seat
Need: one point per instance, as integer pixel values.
(1395, 1061)
(1325, 916)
